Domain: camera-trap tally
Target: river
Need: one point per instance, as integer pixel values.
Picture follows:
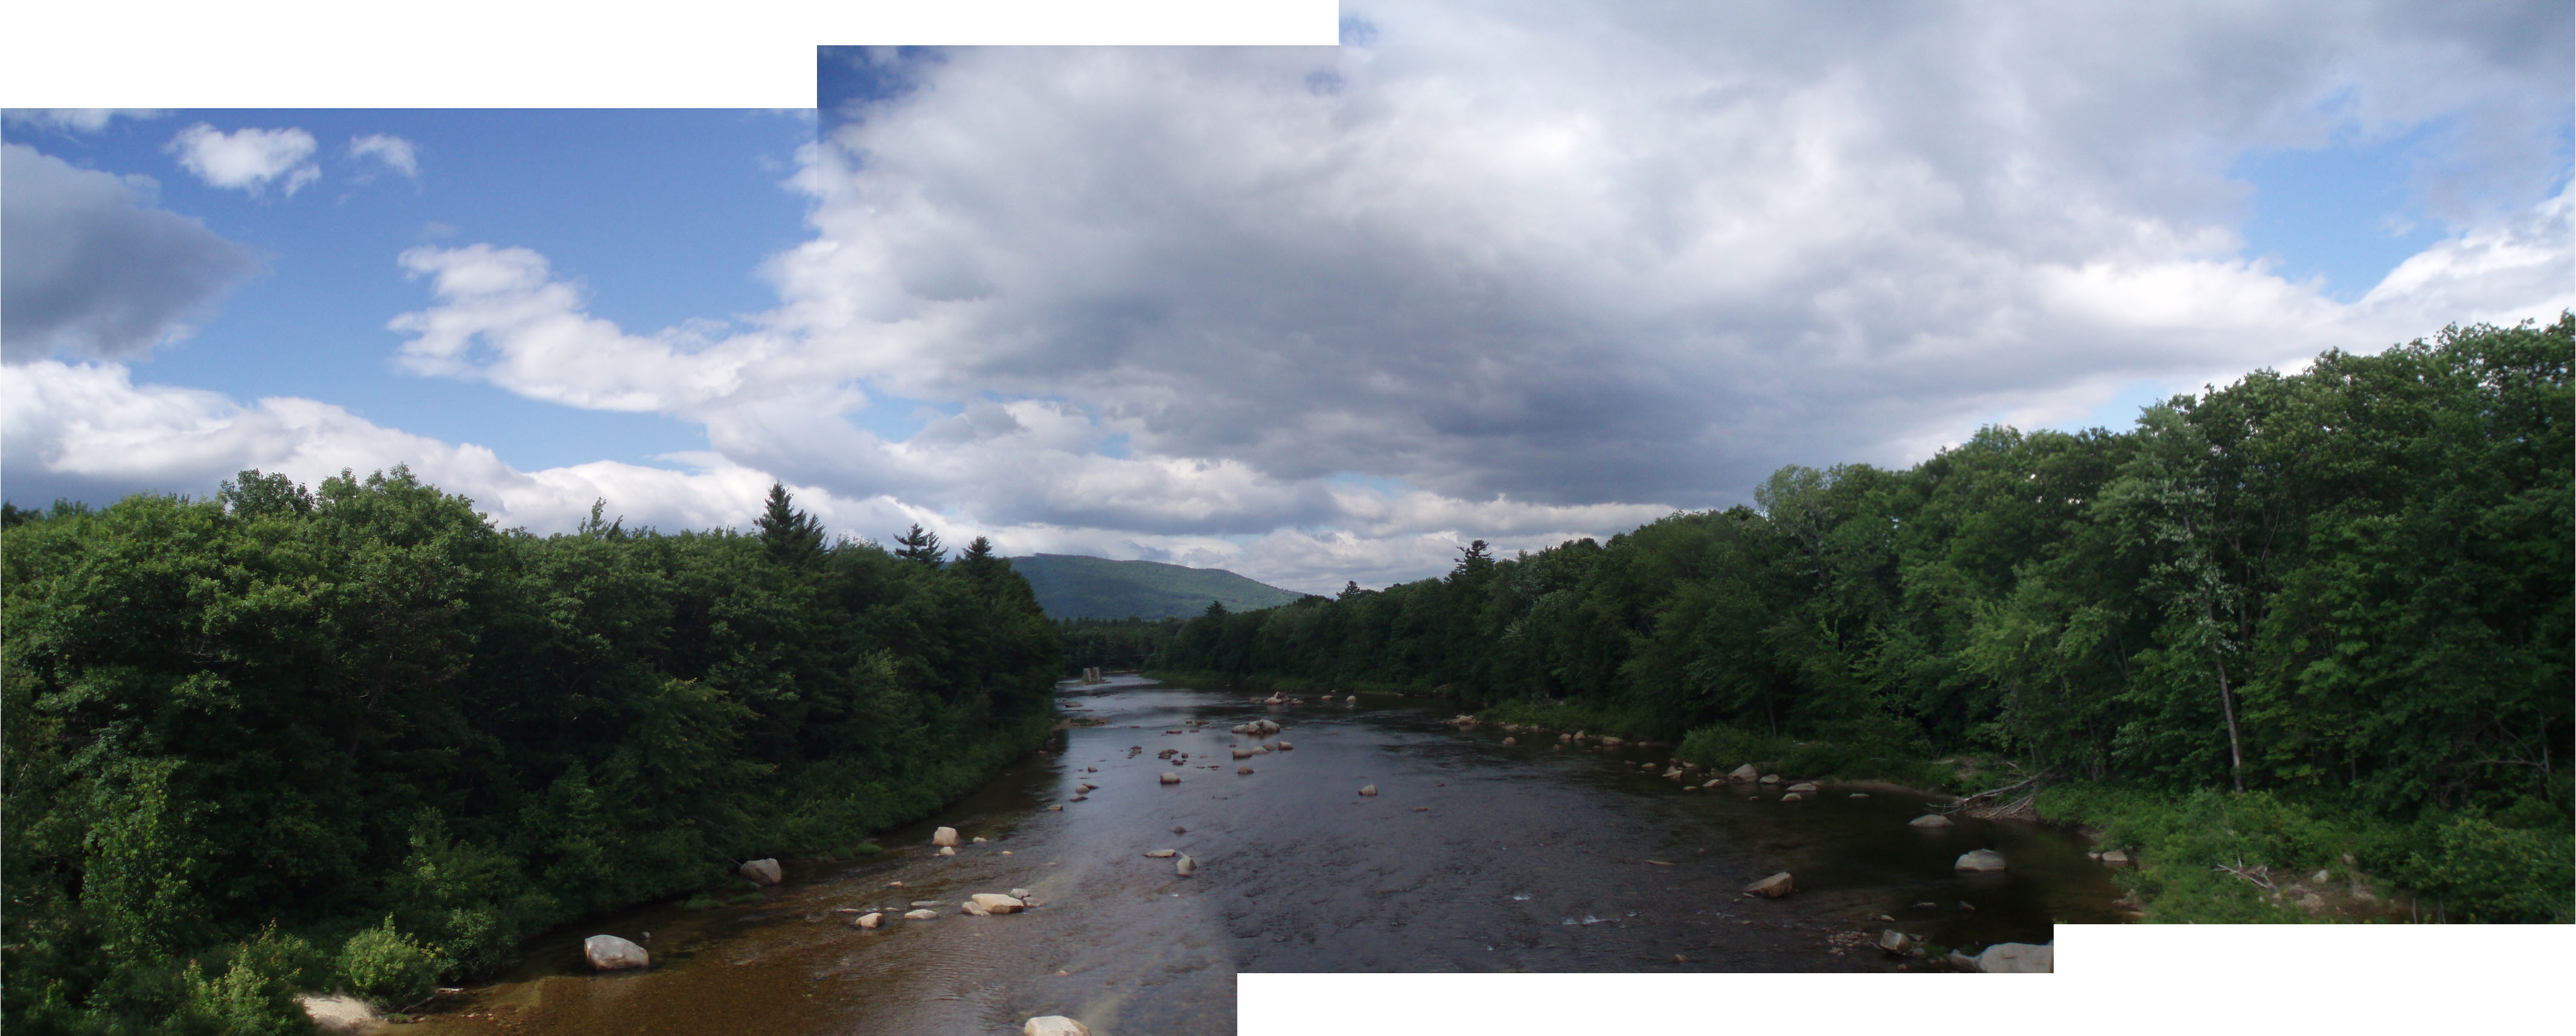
(1473, 856)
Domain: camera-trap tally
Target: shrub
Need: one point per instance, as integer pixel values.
(255, 996)
(2486, 872)
(390, 968)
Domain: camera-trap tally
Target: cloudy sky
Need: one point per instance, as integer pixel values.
(1510, 271)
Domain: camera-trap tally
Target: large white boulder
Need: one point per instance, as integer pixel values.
(1745, 772)
(1369, 790)
(997, 903)
(765, 872)
(945, 837)
(1980, 860)
(2018, 958)
(1185, 866)
(870, 919)
(610, 953)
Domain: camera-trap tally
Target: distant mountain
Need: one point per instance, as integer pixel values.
(1070, 586)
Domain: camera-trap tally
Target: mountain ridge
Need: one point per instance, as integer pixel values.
(1078, 586)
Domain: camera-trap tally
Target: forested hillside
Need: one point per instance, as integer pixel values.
(1074, 587)
(2347, 589)
(355, 736)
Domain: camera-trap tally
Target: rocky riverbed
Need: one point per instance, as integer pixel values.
(1470, 855)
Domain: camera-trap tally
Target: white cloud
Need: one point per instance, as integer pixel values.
(396, 153)
(89, 267)
(73, 120)
(247, 159)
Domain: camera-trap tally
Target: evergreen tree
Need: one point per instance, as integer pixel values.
(793, 537)
(921, 545)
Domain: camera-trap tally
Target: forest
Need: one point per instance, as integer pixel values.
(353, 736)
(2301, 618)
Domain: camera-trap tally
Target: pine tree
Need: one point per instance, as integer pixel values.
(921, 545)
(793, 537)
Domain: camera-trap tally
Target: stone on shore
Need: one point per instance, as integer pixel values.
(1774, 887)
(2018, 958)
(765, 872)
(996, 902)
(1929, 821)
(945, 836)
(610, 953)
(1745, 772)
(869, 920)
(1054, 1025)
(1896, 943)
(1171, 778)
(923, 914)
(2116, 857)
(1980, 860)
(1369, 790)
(1185, 866)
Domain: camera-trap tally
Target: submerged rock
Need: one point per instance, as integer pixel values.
(765, 872)
(610, 953)
(1980, 860)
(1773, 887)
(1054, 1025)
(1929, 821)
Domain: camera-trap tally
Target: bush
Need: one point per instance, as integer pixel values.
(2486, 872)
(387, 967)
(255, 996)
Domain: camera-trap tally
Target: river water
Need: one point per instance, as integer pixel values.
(1474, 856)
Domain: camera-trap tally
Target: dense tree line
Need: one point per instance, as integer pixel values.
(1114, 644)
(2352, 581)
(356, 735)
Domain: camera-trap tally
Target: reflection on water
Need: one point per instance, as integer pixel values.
(1474, 856)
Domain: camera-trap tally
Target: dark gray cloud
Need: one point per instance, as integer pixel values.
(92, 269)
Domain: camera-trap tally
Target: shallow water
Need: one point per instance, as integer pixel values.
(1474, 856)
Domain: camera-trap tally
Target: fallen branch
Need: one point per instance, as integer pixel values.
(2259, 875)
(2033, 782)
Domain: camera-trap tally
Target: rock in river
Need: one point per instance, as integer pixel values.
(947, 850)
(2018, 958)
(1243, 771)
(1162, 854)
(1370, 790)
(1185, 867)
(1775, 886)
(765, 872)
(946, 836)
(974, 909)
(610, 953)
(1895, 942)
(1931, 820)
(920, 915)
(1171, 778)
(1805, 788)
(1793, 797)
(1745, 772)
(1770, 778)
(1980, 860)
(997, 903)
(868, 920)
(1054, 1025)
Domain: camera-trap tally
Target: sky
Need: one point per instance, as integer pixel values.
(1520, 272)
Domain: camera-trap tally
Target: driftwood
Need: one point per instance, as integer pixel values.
(1982, 804)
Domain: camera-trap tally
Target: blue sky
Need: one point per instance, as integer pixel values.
(1520, 274)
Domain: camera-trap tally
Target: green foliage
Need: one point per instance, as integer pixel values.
(387, 967)
(2487, 872)
(1072, 587)
(325, 706)
(2347, 588)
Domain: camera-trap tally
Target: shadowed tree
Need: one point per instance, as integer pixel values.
(793, 537)
(921, 545)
